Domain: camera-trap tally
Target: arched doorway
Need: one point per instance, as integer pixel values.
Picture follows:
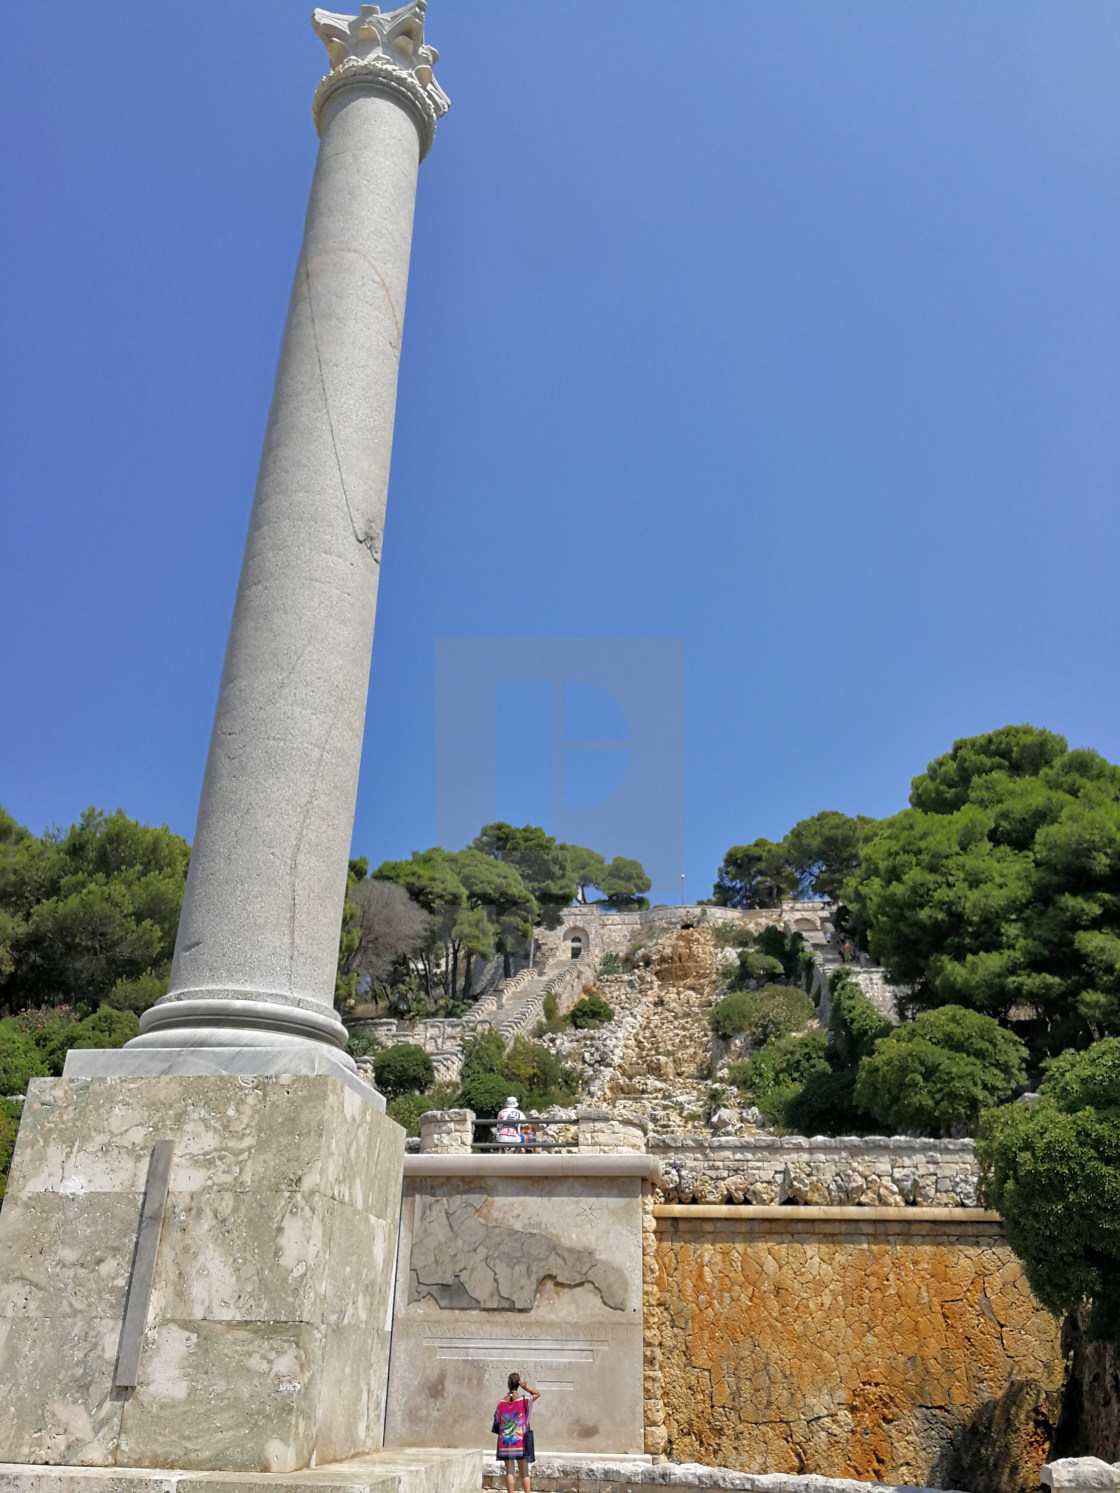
(577, 942)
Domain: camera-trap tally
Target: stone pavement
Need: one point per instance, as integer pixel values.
(402, 1470)
(621, 1474)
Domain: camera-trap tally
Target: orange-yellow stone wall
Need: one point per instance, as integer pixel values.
(851, 1349)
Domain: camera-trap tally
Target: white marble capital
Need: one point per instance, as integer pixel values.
(383, 51)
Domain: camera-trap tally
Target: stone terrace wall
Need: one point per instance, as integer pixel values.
(877, 1349)
(870, 1171)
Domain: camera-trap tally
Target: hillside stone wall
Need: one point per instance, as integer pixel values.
(867, 1171)
(896, 1350)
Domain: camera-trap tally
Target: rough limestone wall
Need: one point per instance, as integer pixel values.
(866, 1171)
(889, 1352)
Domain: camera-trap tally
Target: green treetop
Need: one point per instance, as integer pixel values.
(89, 916)
(1000, 886)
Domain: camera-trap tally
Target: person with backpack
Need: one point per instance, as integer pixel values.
(510, 1117)
(515, 1435)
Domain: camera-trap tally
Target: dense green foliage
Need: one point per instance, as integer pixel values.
(854, 1023)
(999, 887)
(1052, 1169)
(34, 1044)
(774, 1075)
(88, 917)
(772, 1012)
(934, 1075)
(402, 1069)
(526, 1069)
(10, 1112)
(406, 1109)
(591, 1011)
(20, 1059)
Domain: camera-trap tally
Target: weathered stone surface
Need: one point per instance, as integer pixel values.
(841, 1348)
(432, 1470)
(540, 1274)
(446, 1130)
(461, 1261)
(267, 1332)
(560, 1474)
(1081, 1472)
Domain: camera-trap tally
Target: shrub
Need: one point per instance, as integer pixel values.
(936, 1073)
(402, 1069)
(591, 1011)
(610, 964)
(537, 1075)
(756, 966)
(728, 1017)
(1052, 1169)
(106, 1028)
(825, 1105)
(138, 994)
(20, 1059)
(52, 1029)
(362, 1045)
(778, 1011)
(406, 1109)
(854, 1024)
(787, 948)
(482, 1053)
(553, 1021)
(486, 1093)
(770, 1013)
(732, 936)
(776, 1073)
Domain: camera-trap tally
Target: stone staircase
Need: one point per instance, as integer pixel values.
(664, 1070)
(514, 1009)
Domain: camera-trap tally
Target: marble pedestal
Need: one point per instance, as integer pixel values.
(266, 1336)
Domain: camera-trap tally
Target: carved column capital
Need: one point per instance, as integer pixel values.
(385, 51)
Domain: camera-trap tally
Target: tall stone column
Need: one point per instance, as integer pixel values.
(198, 1236)
(252, 982)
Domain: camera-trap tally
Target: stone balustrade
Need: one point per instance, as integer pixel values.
(857, 1171)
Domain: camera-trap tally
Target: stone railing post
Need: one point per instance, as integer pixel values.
(252, 981)
(445, 1130)
(602, 1130)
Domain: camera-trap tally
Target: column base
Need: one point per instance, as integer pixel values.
(209, 1062)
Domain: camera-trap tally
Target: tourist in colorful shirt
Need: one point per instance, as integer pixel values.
(509, 1123)
(515, 1436)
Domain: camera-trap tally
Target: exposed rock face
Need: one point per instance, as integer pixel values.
(899, 1353)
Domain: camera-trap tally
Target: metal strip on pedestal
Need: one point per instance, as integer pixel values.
(144, 1265)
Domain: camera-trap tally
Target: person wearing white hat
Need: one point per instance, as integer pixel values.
(510, 1119)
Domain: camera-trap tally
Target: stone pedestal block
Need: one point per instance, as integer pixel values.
(266, 1335)
(445, 1130)
(607, 1130)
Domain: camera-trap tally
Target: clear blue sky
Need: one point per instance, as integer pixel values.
(788, 329)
